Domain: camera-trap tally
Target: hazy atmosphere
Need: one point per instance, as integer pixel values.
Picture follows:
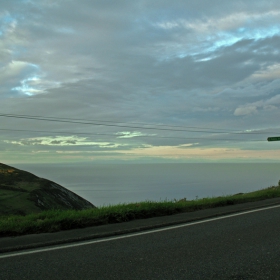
(139, 139)
(157, 81)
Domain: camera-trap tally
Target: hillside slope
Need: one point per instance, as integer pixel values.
(22, 193)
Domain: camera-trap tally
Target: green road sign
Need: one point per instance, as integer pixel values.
(273, 138)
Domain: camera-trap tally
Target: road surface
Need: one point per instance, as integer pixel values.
(243, 246)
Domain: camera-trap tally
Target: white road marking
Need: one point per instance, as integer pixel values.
(39, 250)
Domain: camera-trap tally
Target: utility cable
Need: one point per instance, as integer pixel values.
(123, 136)
(112, 122)
(99, 123)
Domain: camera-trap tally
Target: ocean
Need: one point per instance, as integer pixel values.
(104, 184)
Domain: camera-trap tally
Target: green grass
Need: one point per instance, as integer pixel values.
(57, 220)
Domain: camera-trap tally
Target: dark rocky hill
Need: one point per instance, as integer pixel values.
(23, 193)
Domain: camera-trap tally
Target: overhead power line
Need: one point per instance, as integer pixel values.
(128, 125)
(115, 122)
(123, 136)
(102, 123)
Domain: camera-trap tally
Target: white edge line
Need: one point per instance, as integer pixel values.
(39, 250)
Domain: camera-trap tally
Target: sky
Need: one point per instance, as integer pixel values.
(139, 81)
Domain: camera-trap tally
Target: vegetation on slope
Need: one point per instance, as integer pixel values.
(23, 193)
(56, 220)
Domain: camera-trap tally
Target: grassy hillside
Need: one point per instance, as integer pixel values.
(56, 220)
(29, 204)
(23, 193)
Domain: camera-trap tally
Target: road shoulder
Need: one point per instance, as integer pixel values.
(11, 244)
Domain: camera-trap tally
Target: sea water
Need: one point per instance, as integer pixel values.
(104, 184)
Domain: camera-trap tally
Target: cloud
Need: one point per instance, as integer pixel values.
(245, 110)
(209, 109)
(206, 35)
(270, 73)
(268, 105)
(180, 64)
(128, 134)
(217, 153)
(63, 141)
(20, 76)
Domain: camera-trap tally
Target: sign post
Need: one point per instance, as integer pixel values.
(277, 138)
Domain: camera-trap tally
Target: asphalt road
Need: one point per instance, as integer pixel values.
(238, 247)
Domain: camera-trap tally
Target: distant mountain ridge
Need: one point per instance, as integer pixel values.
(23, 193)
